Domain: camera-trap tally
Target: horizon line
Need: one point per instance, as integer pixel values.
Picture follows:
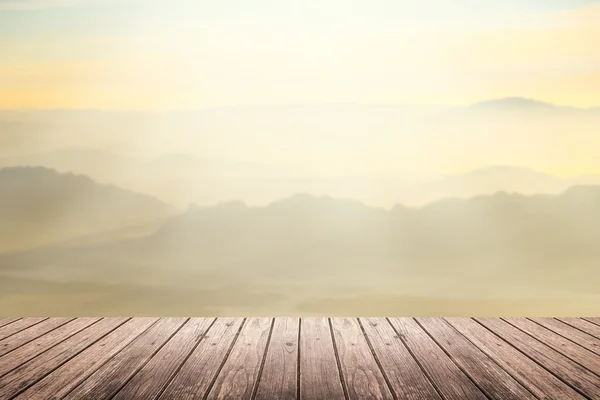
(490, 101)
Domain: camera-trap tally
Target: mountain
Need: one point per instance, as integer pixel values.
(178, 165)
(489, 180)
(514, 103)
(183, 178)
(318, 253)
(326, 234)
(101, 165)
(39, 206)
(176, 178)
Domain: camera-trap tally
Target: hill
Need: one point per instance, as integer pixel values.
(182, 178)
(501, 248)
(39, 206)
(312, 228)
(514, 103)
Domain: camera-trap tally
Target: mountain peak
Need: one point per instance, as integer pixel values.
(513, 103)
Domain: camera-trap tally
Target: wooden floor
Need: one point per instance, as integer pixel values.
(308, 358)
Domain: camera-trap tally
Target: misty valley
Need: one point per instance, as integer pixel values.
(72, 246)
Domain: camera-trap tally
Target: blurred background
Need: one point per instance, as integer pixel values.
(299, 158)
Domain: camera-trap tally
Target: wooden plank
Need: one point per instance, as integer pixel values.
(199, 371)
(18, 326)
(151, 380)
(583, 325)
(34, 370)
(361, 374)
(319, 373)
(279, 379)
(240, 373)
(568, 332)
(404, 374)
(19, 339)
(440, 369)
(593, 320)
(38, 346)
(111, 376)
(492, 379)
(60, 381)
(8, 320)
(576, 353)
(538, 380)
(564, 368)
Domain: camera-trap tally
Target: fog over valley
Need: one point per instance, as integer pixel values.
(328, 210)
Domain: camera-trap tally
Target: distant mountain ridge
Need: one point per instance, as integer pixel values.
(501, 246)
(308, 219)
(514, 103)
(184, 178)
(525, 104)
(40, 206)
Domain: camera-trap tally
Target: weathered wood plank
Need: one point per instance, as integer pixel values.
(8, 320)
(492, 379)
(25, 336)
(239, 375)
(111, 376)
(573, 334)
(564, 368)
(279, 379)
(312, 358)
(199, 371)
(583, 325)
(406, 378)
(582, 356)
(18, 326)
(362, 376)
(538, 380)
(34, 370)
(319, 373)
(60, 381)
(38, 346)
(449, 380)
(150, 381)
(593, 320)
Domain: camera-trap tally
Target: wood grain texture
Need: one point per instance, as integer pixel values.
(38, 346)
(291, 358)
(199, 371)
(562, 367)
(240, 372)
(538, 380)
(403, 373)
(583, 356)
(583, 325)
(60, 381)
(150, 381)
(362, 376)
(492, 379)
(594, 320)
(449, 380)
(8, 320)
(25, 336)
(279, 379)
(568, 332)
(17, 326)
(21, 378)
(111, 376)
(319, 373)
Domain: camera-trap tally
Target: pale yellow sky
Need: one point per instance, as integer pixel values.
(82, 55)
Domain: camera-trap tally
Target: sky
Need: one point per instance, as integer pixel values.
(186, 54)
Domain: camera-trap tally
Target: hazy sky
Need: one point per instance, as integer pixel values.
(163, 54)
